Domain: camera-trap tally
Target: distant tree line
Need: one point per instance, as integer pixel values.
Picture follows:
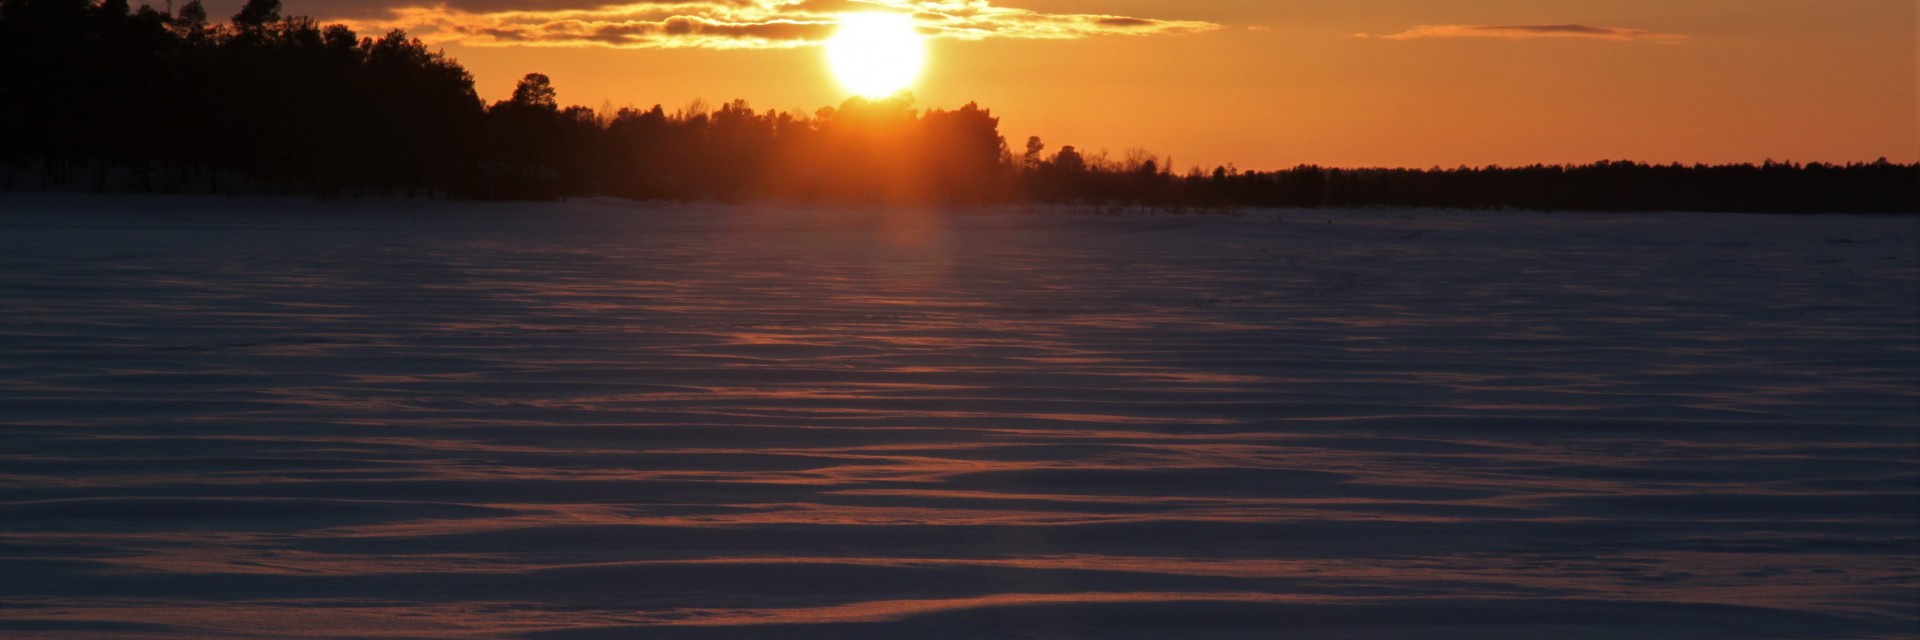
(1770, 187)
(96, 94)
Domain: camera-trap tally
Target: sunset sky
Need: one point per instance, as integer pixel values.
(1260, 83)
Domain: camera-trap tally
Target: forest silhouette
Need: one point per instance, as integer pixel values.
(98, 95)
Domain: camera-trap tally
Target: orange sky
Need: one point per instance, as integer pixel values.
(1266, 83)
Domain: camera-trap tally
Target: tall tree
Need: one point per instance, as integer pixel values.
(536, 90)
(257, 13)
(192, 15)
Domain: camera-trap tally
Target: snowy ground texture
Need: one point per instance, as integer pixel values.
(282, 418)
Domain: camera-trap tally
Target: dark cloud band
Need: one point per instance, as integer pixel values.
(722, 24)
(1531, 31)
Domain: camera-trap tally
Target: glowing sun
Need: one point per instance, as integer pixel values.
(876, 54)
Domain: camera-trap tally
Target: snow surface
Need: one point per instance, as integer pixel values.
(285, 418)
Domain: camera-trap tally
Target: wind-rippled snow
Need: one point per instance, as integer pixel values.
(281, 418)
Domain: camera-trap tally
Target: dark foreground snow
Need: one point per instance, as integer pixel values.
(269, 418)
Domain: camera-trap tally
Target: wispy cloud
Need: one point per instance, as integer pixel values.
(1532, 31)
(735, 24)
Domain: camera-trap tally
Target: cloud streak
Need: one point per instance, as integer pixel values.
(1532, 32)
(738, 24)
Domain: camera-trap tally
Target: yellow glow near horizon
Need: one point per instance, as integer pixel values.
(876, 54)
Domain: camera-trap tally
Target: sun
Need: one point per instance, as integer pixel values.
(876, 54)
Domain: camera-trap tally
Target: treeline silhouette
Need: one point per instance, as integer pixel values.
(179, 103)
(96, 94)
